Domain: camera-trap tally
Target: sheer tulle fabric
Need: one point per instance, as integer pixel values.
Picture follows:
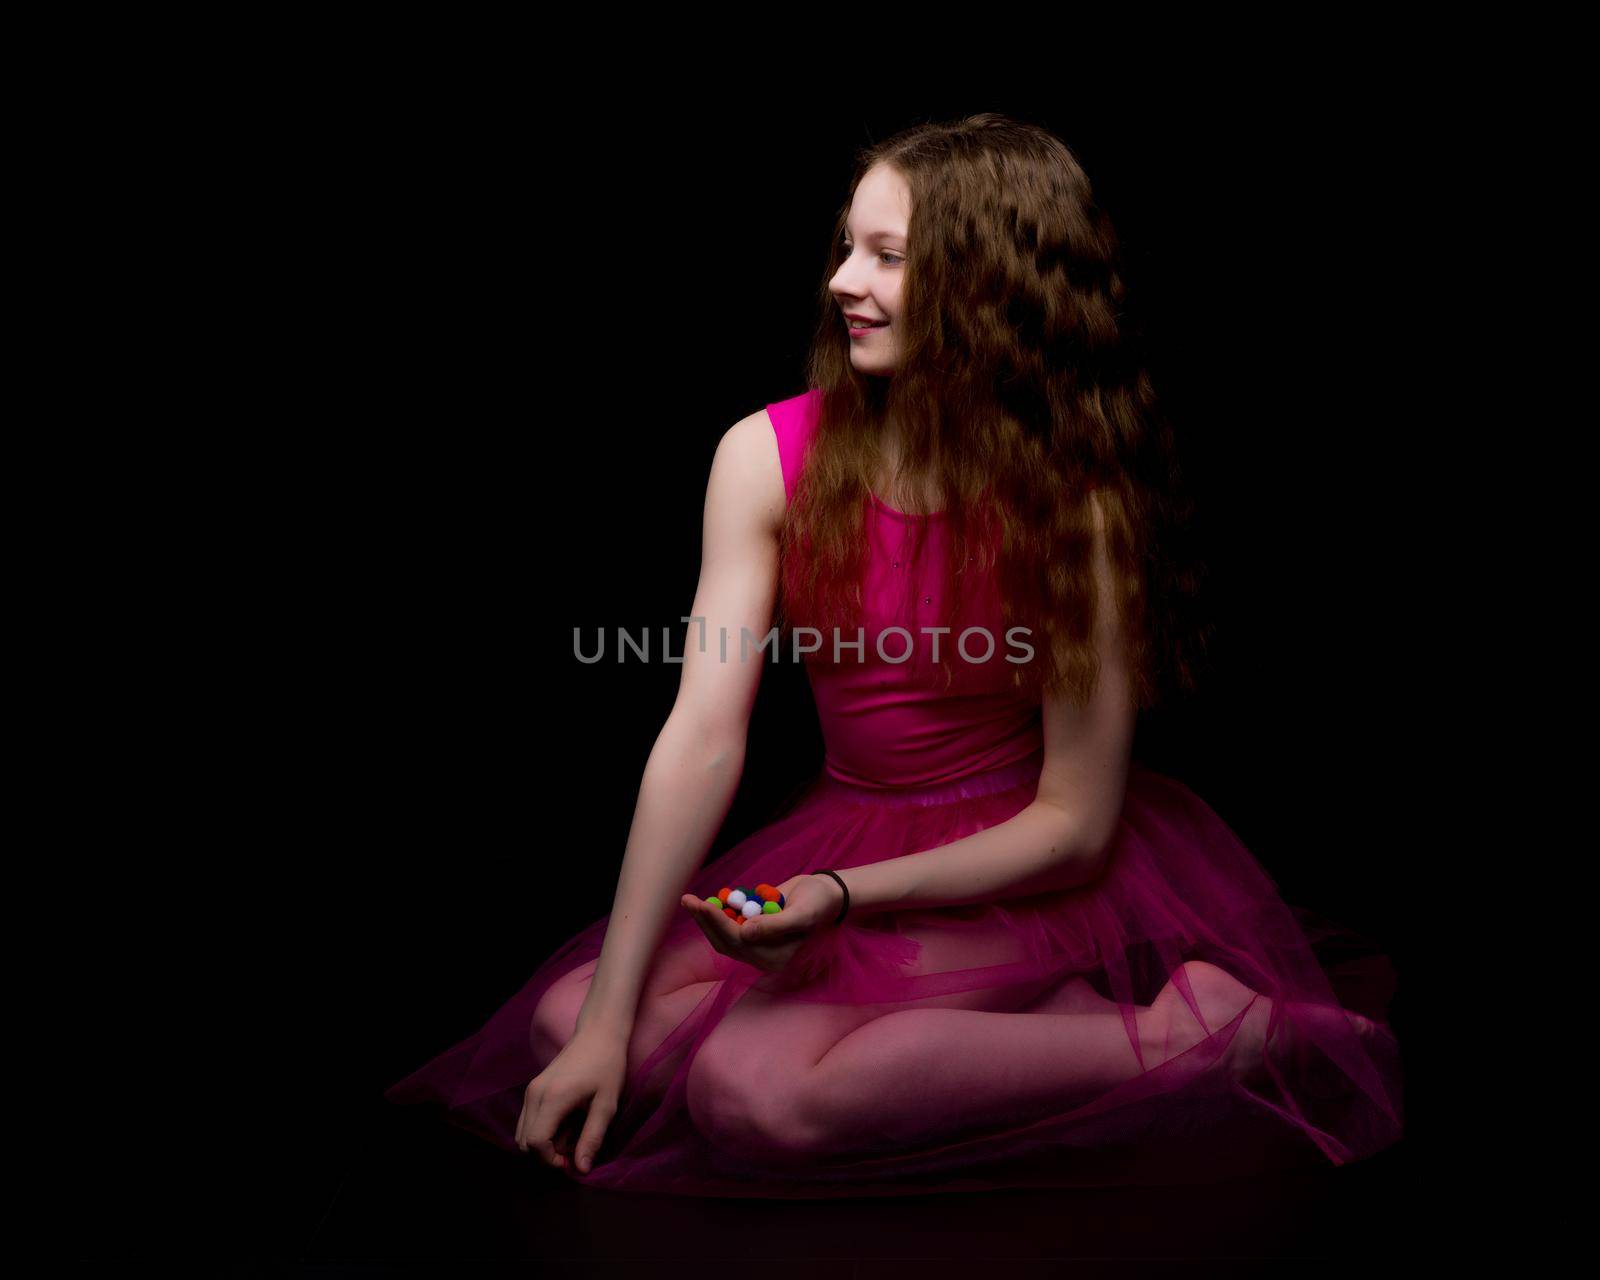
(1173, 1021)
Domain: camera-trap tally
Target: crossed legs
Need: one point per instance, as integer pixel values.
(791, 1080)
(796, 1080)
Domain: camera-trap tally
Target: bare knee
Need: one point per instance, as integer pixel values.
(731, 1108)
(555, 1018)
(718, 1101)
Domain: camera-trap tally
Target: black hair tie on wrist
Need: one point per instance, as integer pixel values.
(842, 885)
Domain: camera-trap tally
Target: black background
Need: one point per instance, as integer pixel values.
(469, 359)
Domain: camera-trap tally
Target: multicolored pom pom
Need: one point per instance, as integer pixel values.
(740, 903)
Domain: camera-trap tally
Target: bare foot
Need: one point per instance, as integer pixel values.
(1293, 1043)
(1293, 1040)
(1220, 996)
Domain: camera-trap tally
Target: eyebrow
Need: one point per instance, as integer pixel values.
(880, 235)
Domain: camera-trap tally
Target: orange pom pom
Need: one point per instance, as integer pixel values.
(767, 892)
(723, 894)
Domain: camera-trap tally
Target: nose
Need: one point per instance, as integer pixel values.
(847, 280)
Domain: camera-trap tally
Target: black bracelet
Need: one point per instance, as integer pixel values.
(842, 885)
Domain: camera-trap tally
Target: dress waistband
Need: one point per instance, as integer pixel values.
(988, 782)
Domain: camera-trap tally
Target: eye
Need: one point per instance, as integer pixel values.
(847, 248)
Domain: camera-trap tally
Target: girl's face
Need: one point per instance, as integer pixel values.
(867, 284)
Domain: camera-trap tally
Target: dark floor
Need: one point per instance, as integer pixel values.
(420, 1189)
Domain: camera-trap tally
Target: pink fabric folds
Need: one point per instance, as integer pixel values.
(697, 1116)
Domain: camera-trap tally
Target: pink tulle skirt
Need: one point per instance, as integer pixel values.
(1174, 1021)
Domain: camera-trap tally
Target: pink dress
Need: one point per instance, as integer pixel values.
(1005, 1044)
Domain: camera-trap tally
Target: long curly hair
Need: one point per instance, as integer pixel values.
(1019, 390)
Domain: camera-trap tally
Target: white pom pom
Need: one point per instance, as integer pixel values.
(751, 910)
(736, 899)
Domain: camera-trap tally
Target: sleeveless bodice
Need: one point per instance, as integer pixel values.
(891, 723)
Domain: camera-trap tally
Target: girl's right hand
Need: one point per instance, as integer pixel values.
(588, 1073)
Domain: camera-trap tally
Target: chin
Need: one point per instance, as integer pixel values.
(879, 366)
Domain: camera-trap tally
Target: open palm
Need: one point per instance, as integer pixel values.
(770, 941)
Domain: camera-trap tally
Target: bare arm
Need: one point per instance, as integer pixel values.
(1060, 840)
(694, 768)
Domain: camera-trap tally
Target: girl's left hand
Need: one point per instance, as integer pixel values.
(811, 904)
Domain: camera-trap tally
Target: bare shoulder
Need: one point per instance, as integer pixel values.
(747, 461)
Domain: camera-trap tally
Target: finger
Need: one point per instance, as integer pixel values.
(711, 935)
(530, 1107)
(594, 1130)
(564, 1140)
(542, 1130)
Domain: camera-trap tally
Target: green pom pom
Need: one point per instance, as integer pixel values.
(770, 909)
(715, 902)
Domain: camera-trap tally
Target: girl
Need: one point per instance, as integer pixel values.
(1007, 954)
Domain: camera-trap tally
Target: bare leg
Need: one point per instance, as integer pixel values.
(1073, 996)
(1032, 1063)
